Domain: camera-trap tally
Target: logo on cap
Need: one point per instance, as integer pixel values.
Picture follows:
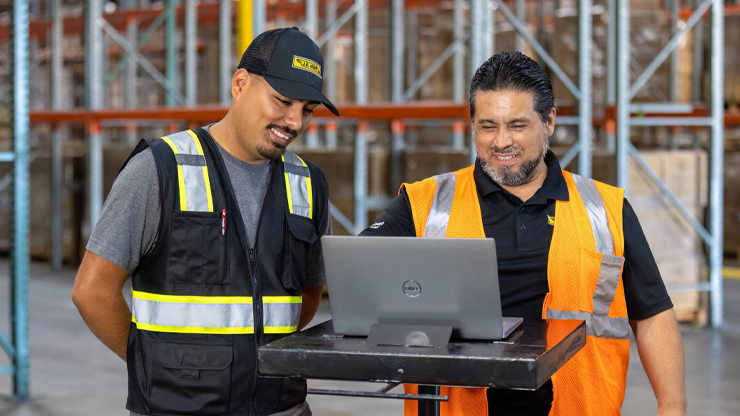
(307, 65)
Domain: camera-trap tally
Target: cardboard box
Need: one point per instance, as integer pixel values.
(683, 171)
(669, 234)
(683, 271)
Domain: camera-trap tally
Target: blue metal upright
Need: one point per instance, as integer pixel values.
(17, 347)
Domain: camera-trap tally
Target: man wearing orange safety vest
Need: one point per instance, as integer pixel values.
(568, 247)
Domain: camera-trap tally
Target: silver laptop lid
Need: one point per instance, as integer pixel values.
(408, 280)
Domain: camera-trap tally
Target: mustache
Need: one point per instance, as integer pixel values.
(285, 129)
(507, 149)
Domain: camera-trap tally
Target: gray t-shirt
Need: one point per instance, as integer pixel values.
(128, 224)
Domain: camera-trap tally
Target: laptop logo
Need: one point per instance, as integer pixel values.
(411, 288)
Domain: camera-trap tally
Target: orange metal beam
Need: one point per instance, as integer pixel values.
(381, 111)
(376, 111)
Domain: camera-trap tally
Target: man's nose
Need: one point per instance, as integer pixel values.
(503, 139)
(294, 117)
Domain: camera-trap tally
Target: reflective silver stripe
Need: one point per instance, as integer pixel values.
(298, 179)
(596, 325)
(195, 188)
(281, 315)
(192, 162)
(596, 213)
(606, 288)
(439, 214)
(192, 315)
(184, 142)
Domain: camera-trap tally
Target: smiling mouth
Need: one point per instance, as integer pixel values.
(280, 134)
(505, 158)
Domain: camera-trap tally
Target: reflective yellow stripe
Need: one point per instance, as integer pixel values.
(308, 187)
(180, 176)
(193, 330)
(287, 190)
(194, 299)
(205, 171)
(280, 329)
(281, 299)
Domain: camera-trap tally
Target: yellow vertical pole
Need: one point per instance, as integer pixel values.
(244, 24)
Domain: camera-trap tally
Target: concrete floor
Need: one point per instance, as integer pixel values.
(72, 373)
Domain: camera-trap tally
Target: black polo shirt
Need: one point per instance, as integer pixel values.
(523, 235)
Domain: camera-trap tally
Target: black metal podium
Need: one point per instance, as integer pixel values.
(525, 360)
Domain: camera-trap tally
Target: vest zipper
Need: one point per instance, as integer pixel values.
(258, 330)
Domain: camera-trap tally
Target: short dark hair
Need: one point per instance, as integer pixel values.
(513, 72)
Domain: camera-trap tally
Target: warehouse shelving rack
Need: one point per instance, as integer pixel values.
(474, 40)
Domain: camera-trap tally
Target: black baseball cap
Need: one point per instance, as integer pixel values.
(290, 62)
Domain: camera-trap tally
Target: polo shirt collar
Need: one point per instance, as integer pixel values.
(554, 186)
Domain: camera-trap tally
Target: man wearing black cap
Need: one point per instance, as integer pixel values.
(219, 228)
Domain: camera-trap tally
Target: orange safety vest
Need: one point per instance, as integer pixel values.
(584, 273)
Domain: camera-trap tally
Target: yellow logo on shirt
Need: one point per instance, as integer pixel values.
(551, 220)
(307, 65)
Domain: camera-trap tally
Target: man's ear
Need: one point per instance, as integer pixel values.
(551, 122)
(240, 81)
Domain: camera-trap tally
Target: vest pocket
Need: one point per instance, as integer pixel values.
(301, 238)
(189, 379)
(197, 249)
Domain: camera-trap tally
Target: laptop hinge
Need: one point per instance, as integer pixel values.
(410, 335)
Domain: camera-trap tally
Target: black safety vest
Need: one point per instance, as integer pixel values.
(202, 300)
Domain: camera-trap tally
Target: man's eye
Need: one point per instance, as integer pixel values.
(518, 126)
(283, 102)
(308, 110)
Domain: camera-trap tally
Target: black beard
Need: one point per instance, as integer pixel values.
(506, 176)
(274, 150)
(271, 151)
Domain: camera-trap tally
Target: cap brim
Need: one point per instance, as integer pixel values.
(299, 91)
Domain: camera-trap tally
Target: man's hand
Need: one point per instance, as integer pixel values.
(661, 352)
(97, 293)
(311, 300)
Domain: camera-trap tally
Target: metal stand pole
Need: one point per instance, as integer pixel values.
(170, 50)
(623, 93)
(611, 70)
(191, 52)
(130, 85)
(361, 162)
(521, 14)
(585, 62)
(412, 46)
(259, 16)
(331, 78)
(56, 67)
(716, 184)
(225, 69)
(93, 85)
(698, 55)
(312, 18)
(673, 76)
(397, 128)
(477, 52)
(19, 199)
(428, 407)
(458, 75)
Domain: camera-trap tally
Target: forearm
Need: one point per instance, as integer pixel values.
(98, 296)
(109, 319)
(310, 304)
(661, 352)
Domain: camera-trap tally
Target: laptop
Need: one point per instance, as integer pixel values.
(415, 281)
